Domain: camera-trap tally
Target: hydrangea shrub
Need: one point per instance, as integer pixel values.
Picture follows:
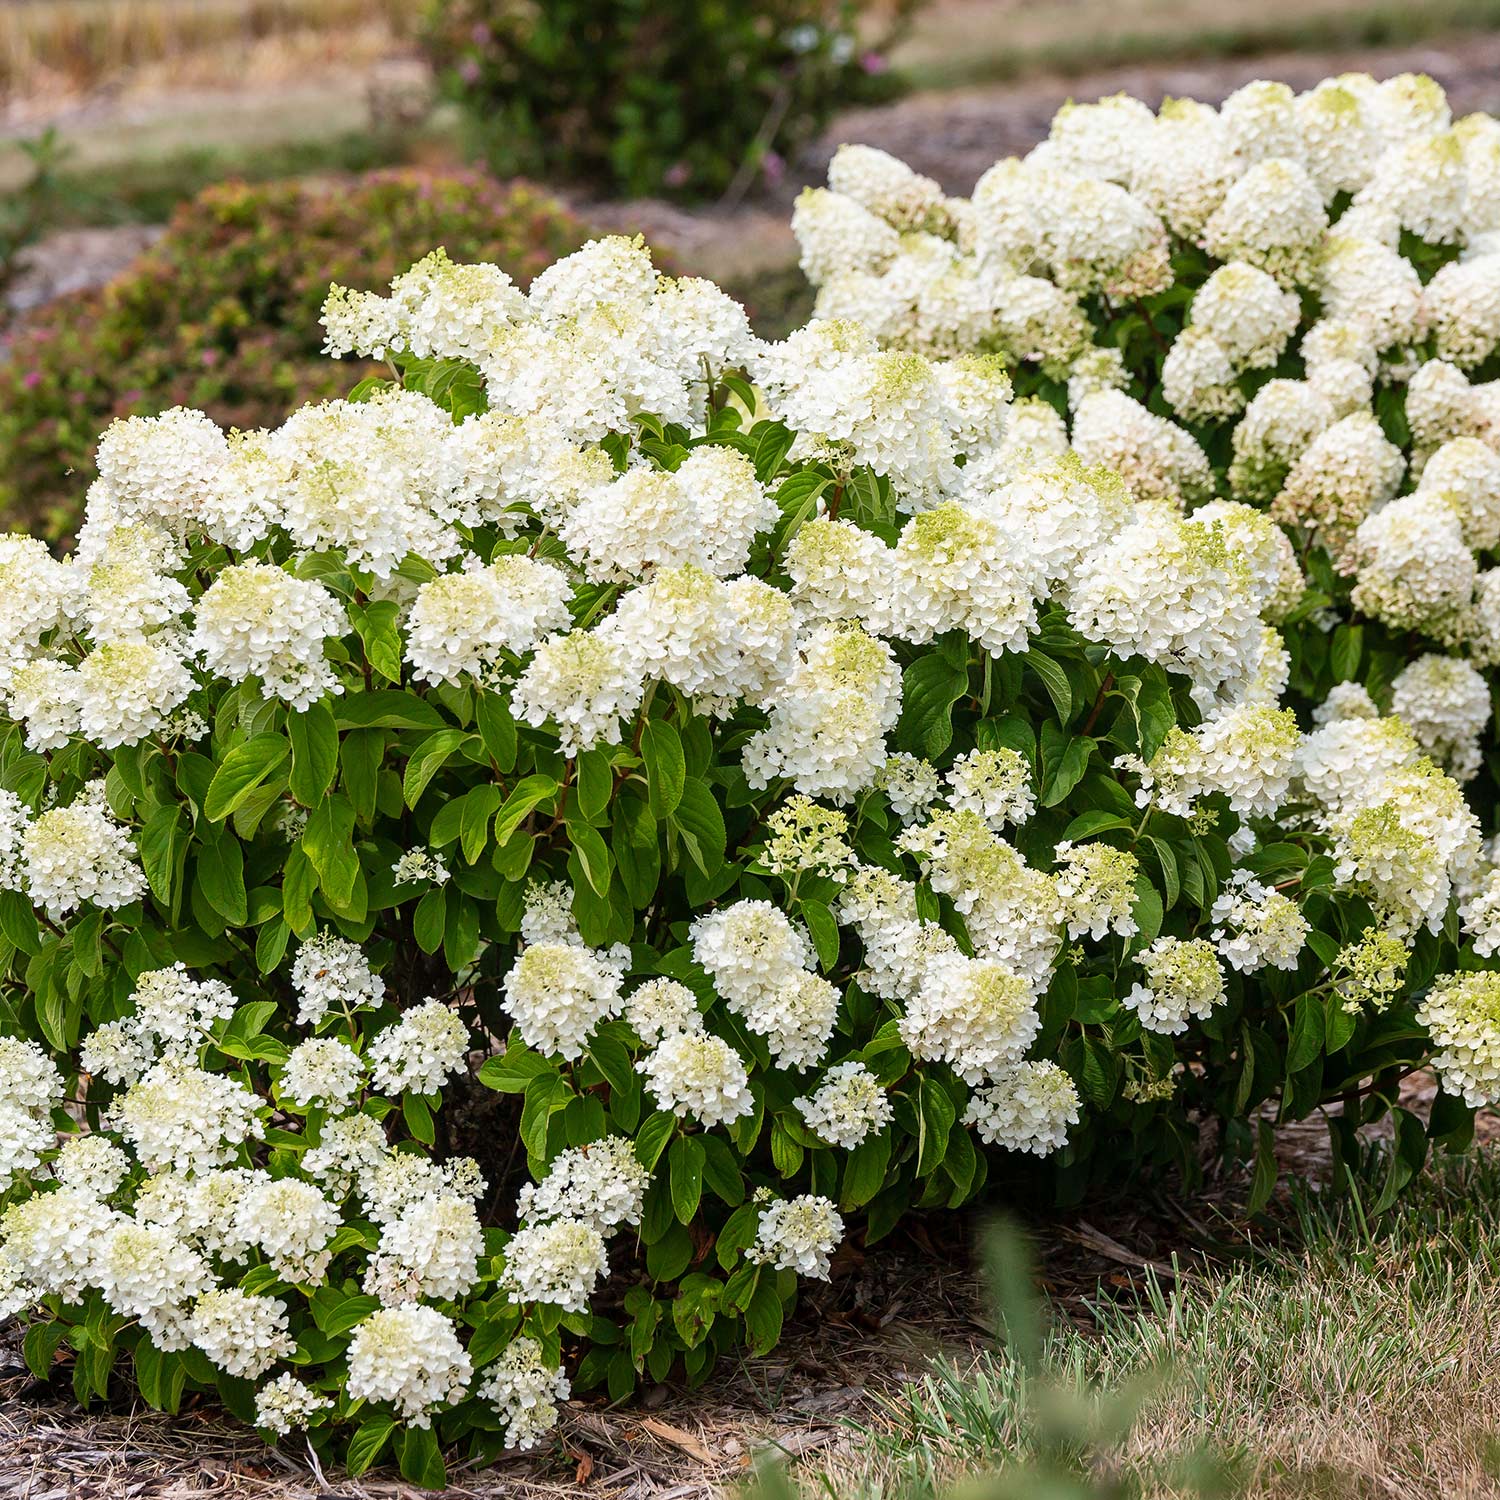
(503, 874)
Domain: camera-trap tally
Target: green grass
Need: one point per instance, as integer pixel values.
(1083, 44)
(1355, 1359)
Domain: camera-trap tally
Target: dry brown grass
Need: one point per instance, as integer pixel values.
(1360, 1363)
(77, 45)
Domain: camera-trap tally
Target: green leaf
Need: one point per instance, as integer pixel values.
(429, 921)
(1095, 821)
(163, 846)
(545, 1094)
(1346, 651)
(773, 440)
(421, 1458)
(360, 756)
(1147, 913)
(1407, 1156)
(40, 1345)
(18, 922)
(328, 842)
(336, 1313)
(479, 806)
(1146, 713)
(685, 1166)
(930, 687)
(936, 1113)
(1263, 1183)
(1171, 886)
(376, 625)
(1064, 761)
(721, 1170)
(497, 728)
(386, 708)
(825, 932)
(220, 872)
(527, 794)
(864, 1170)
(700, 824)
(593, 854)
(418, 1118)
(1054, 679)
(787, 1152)
(270, 944)
(315, 752)
(763, 1318)
(511, 1071)
(637, 849)
(159, 1376)
(244, 769)
(666, 766)
(1305, 1039)
(596, 781)
(427, 760)
(1338, 1024)
(738, 1234)
(368, 1443)
(651, 1139)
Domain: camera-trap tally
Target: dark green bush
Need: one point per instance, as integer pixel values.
(222, 314)
(684, 98)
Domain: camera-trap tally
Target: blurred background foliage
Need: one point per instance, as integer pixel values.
(222, 313)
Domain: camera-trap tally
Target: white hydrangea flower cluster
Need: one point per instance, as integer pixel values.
(1096, 885)
(1027, 1106)
(1249, 754)
(1257, 925)
(1403, 834)
(30, 1087)
(1183, 980)
(559, 991)
(847, 1106)
(524, 1389)
(331, 973)
(70, 856)
(1445, 702)
(431, 1249)
(1462, 1013)
(410, 1356)
(284, 1403)
(698, 1075)
(420, 1051)
(242, 1332)
(602, 1184)
(805, 838)
(799, 1234)
(759, 964)
(558, 1262)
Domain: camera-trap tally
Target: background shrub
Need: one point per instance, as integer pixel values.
(684, 99)
(222, 313)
